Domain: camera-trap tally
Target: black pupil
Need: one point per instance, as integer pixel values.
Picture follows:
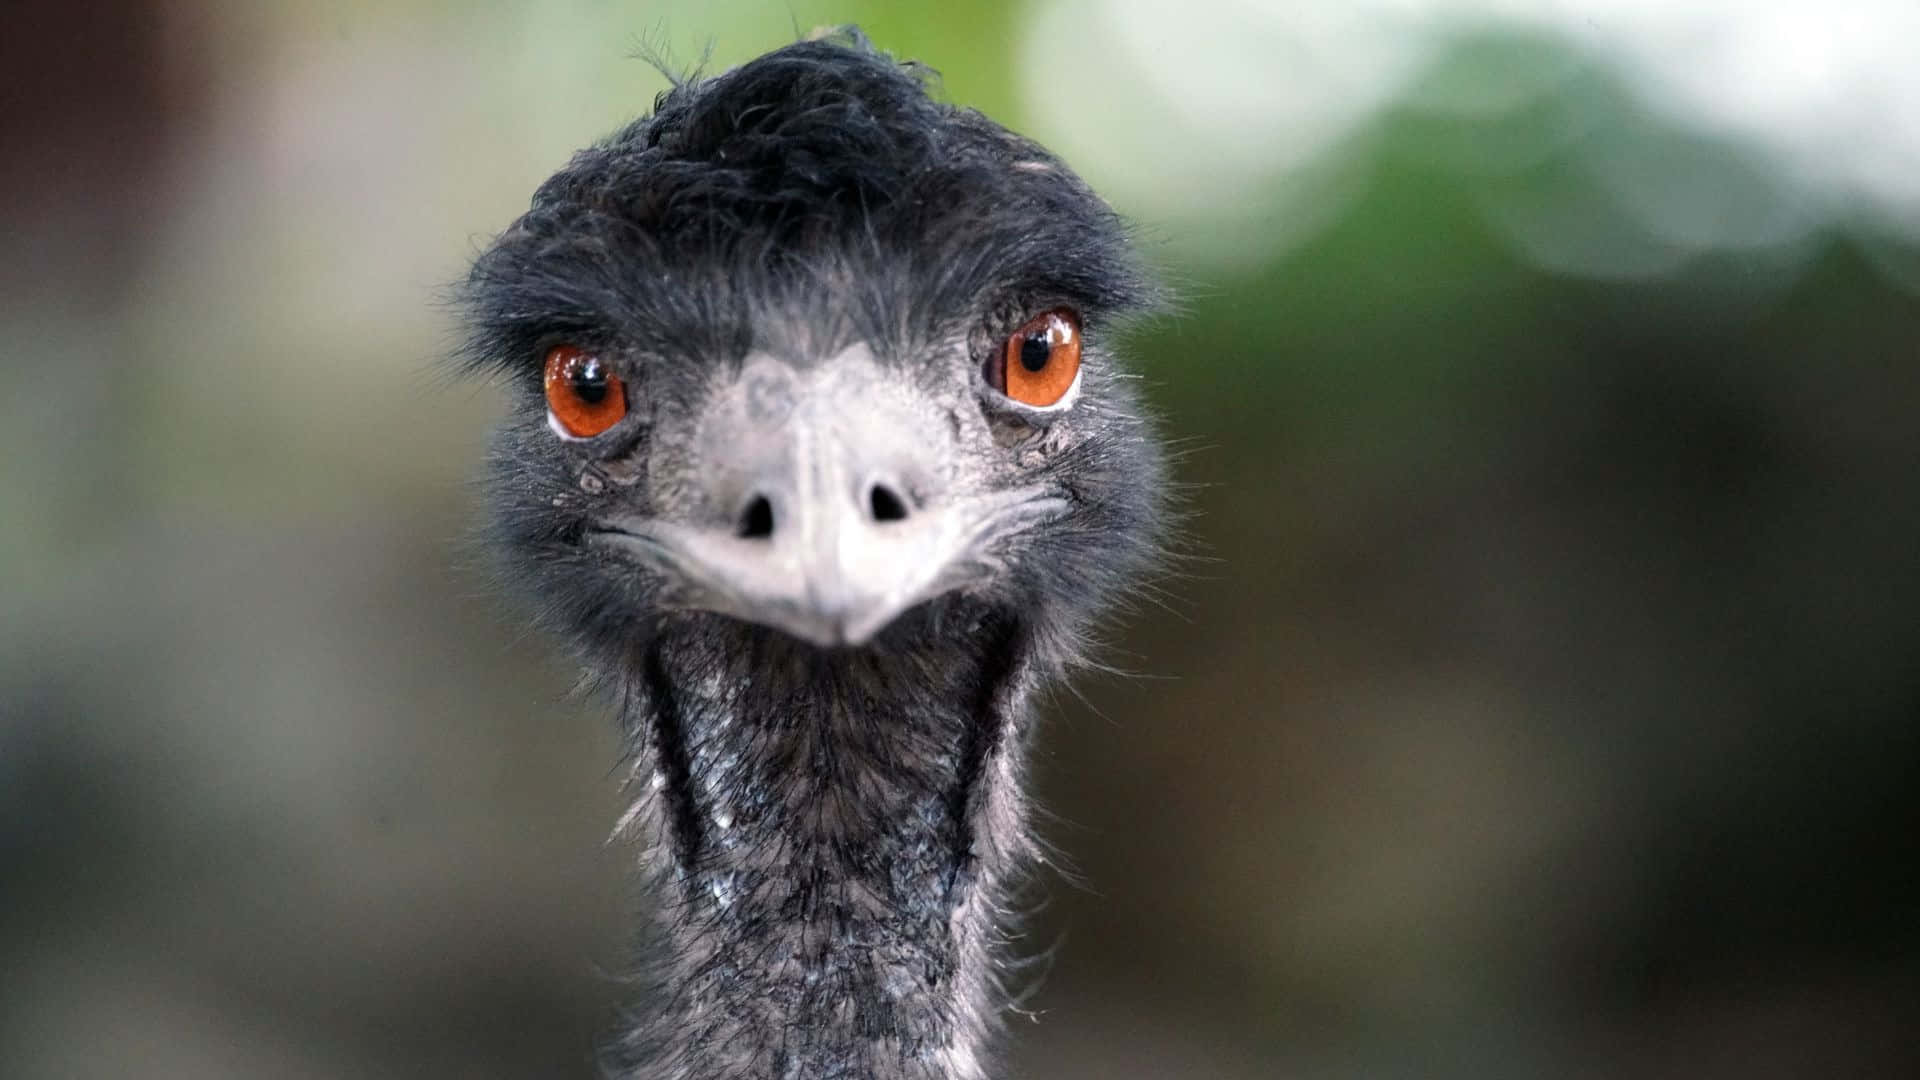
(1035, 351)
(590, 381)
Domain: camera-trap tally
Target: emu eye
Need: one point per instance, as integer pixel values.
(1038, 363)
(584, 396)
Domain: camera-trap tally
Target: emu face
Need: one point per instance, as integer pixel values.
(809, 350)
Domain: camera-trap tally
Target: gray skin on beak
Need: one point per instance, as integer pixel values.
(828, 509)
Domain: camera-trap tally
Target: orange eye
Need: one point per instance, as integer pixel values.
(584, 396)
(1038, 363)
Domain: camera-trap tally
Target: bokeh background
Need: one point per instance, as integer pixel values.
(1541, 699)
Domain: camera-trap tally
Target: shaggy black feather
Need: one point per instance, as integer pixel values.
(832, 831)
(822, 164)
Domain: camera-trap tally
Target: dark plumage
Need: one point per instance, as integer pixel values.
(821, 564)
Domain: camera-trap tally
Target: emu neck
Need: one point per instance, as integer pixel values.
(832, 831)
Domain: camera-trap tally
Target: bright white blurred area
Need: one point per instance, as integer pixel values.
(1734, 125)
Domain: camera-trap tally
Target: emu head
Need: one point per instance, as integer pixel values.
(811, 351)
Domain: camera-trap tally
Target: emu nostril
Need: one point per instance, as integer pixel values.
(756, 523)
(884, 505)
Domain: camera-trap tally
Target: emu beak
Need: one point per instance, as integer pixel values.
(841, 580)
(837, 519)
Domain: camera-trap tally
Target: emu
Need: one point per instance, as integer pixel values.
(820, 461)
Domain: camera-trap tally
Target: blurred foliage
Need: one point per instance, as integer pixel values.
(1539, 697)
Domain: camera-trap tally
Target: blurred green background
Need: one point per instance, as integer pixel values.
(1542, 702)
